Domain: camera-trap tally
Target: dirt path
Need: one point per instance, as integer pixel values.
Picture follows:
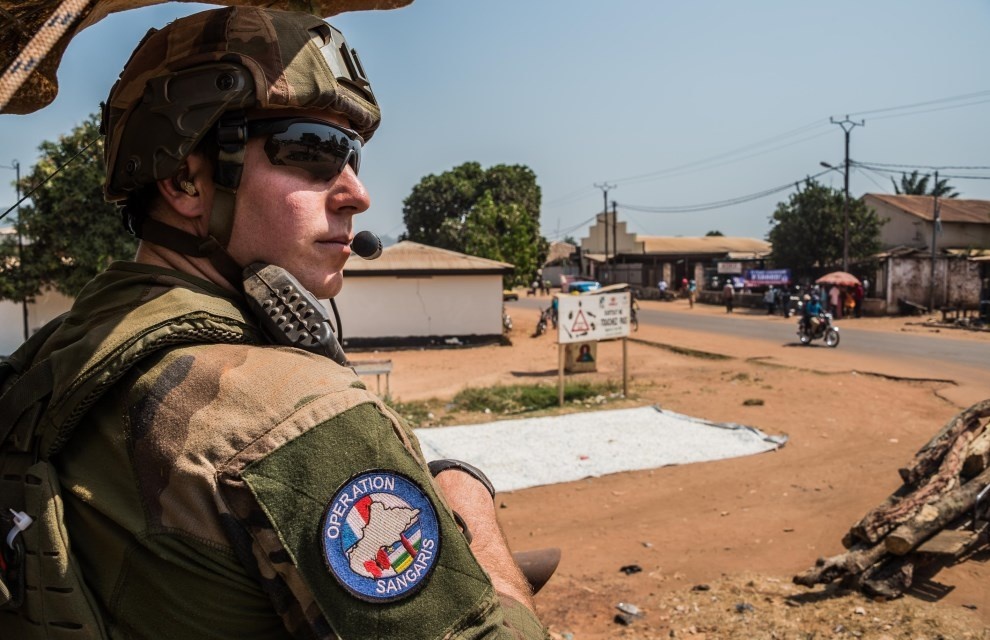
(741, 527)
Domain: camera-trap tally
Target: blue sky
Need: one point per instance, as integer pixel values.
(676, 103)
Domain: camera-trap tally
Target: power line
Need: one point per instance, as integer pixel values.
(922, 166)
(722, 203)
(916, 108)
(721, 164)
(965, 96)
(917, 113)
(881, 169)
(732, 152)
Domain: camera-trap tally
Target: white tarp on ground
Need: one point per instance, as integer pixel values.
(516, 454)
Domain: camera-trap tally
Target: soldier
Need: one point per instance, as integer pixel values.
(216, 484)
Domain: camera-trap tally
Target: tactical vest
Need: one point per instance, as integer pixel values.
(44, 394)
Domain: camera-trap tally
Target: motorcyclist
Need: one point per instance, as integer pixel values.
(811, 309)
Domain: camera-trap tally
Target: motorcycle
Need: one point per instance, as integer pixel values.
(823, 329)
(545, 316)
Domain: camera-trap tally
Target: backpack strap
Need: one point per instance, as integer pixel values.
(47, 399)
(31, 383)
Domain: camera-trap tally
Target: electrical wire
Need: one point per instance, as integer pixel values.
(964, 96)
(922, 166)
(895, 171)
(722, 203)
(734, 160)
(679, 169)
(54, 173)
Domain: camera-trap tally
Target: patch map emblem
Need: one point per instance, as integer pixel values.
(381, 537)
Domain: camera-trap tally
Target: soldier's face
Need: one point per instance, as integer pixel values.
(285, 216)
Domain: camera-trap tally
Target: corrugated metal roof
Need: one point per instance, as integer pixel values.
(559, 251)
(704, 244)
(950, 209)
(408, 256)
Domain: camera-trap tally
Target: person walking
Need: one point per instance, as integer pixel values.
(835, 301)
(770, 300)
(728, 295)
(858, 296)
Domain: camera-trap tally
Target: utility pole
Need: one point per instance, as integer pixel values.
(847, 127)
(615, 235)
(936, 228)
(16, 166)
(605, 187)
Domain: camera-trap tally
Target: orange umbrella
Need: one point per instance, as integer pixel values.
(840, 278)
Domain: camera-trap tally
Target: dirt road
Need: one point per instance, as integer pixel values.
(739, 527)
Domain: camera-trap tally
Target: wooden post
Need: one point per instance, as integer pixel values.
(625, 368)
(560, 374)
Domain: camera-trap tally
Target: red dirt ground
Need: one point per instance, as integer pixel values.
(741, 527)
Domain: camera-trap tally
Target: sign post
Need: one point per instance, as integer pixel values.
(592, 317)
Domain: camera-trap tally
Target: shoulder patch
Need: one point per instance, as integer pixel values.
(381, 537)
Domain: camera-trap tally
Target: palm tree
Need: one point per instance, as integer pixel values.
(915, 185)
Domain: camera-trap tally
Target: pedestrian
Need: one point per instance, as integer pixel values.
(770, 300)
(835, 302)
(692, 293)
(783, 299)
(728, 293)
(662, 288)
(252, 490)
(858, 296)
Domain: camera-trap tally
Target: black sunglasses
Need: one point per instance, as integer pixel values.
(321, 148)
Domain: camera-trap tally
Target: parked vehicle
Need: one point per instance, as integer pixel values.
(547, 316)
(509, 294)
(819, 327)
(584, 286)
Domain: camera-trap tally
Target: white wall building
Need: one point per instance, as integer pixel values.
(420, 295)
(47, 305)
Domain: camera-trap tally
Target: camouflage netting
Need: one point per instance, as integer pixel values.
(21, 20)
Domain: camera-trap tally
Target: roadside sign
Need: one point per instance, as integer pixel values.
(592, 317)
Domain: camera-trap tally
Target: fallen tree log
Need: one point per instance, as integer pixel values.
(936, 469)
(935, 494)
(978, 455)
(934, 517)
(931, 455)
(852, 562)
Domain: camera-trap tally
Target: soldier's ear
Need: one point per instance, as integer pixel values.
(189, 192)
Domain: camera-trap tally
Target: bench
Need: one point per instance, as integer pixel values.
(374, 368)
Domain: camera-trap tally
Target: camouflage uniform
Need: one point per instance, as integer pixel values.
(196, 487)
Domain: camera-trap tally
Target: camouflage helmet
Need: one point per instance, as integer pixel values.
(181, 79)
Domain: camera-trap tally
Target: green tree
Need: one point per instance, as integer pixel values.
(806, 231)
(503, 232)
(492, 213)
(70, 232)
(716, 232)
(917, 185)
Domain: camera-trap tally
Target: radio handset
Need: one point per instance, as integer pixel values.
(290, 314)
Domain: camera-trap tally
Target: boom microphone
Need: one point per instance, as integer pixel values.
(367, 245)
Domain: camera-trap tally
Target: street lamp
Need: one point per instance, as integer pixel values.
(16, 166)
(845, 214)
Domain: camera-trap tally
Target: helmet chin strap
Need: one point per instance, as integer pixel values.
(232, 138)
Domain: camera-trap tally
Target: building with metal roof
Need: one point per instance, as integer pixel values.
(415, 294)
(614, 254)
(964, 224)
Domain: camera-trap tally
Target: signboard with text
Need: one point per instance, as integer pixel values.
(768, 277)
(592, 317)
